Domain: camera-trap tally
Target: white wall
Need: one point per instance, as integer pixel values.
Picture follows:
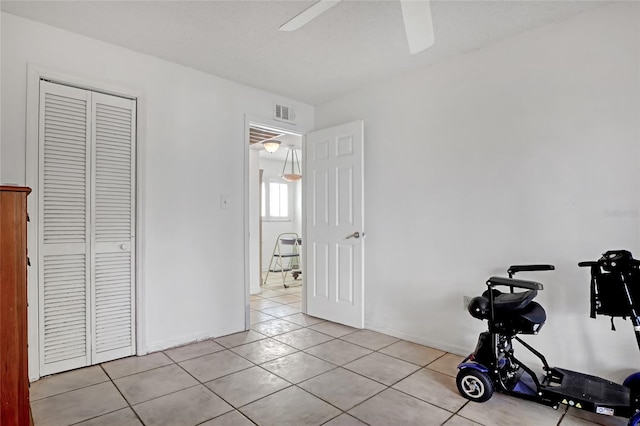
(195, 149)
(514, 153)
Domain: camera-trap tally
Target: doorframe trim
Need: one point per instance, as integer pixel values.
(257, 120)
(34, 75)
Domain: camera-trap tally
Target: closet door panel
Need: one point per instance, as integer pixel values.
(63, 223)
(86, 227)
(113, 242)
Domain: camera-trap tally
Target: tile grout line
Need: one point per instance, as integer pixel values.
(362, 402)
(269, 360)
(121, 394)
(101, 415)
(344, 413)
(150, 399)
(213, 392)
(563, 415)
(113, 379)
(31, 401)
(449, 418)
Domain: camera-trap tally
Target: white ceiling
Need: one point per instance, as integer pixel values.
(352, 45)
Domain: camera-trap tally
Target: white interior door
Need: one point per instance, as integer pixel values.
(85, 227)
(334, 208)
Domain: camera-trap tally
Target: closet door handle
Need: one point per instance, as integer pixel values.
(354, 235)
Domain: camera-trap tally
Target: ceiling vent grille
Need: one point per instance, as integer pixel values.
(284, 113)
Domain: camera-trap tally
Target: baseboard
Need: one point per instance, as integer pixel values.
(443, 346)
(179, 341)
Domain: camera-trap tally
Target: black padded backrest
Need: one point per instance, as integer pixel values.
(610, 296)
(608, 278)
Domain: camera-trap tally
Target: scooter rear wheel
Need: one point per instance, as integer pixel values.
(474, 385)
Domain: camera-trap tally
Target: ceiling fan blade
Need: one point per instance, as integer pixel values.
(417, 24)
(308, 15)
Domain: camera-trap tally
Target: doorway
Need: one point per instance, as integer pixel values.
(332, 220)
(275, 206)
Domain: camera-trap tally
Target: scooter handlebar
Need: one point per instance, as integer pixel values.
(590, 263)
(529, 268)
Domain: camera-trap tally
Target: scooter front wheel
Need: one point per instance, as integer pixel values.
(635, 420)
(474, 385)
(633, 383)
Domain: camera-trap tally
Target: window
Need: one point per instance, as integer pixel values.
(275, 200)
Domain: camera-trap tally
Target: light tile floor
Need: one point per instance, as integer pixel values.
(290, 369)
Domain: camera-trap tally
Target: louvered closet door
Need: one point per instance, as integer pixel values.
(64, 264)
(113, 198)
(86, 228)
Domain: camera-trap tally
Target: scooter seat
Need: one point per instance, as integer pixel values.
(519, 306)
(507, 302)
(513, 312)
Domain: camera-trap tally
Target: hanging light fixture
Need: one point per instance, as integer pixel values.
(293, 176)
(271, 145)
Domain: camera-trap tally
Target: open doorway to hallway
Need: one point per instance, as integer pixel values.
(275, 205)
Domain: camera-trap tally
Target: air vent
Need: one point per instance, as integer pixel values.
(284, 113)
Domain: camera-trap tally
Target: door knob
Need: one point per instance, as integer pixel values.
(354, 235)
(123, 246)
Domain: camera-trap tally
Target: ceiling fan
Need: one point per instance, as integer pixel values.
(415, 13)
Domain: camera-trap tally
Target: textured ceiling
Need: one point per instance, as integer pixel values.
(352, 45)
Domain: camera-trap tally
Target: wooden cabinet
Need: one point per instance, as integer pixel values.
(14, 376)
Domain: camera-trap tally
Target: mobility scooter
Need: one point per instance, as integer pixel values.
(615, 291)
